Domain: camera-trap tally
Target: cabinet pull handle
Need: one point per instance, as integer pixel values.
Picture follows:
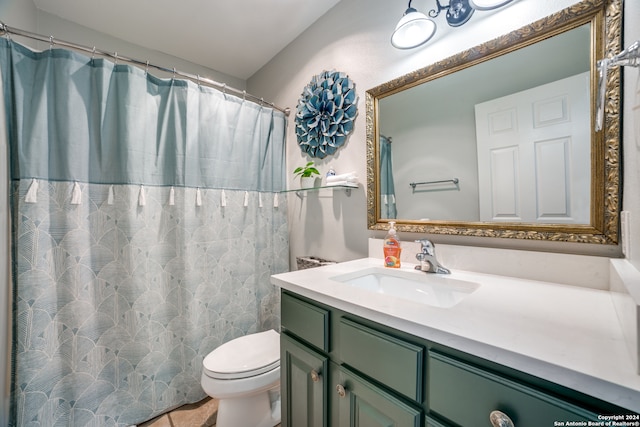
(341, 391)
(500, 419)
(315, 377)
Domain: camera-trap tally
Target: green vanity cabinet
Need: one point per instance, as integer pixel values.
(356, 402)
(372, 379)
(341, 370)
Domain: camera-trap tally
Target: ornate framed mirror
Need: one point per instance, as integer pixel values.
(496, 142)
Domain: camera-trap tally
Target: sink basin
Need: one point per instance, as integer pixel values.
(431, 289)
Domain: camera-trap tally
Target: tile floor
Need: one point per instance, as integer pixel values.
(201, 414)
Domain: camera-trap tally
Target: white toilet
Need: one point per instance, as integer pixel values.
(244, 375)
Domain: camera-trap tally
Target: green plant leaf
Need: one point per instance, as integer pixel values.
(306, 171)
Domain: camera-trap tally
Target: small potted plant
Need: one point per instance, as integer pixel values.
(306, 173)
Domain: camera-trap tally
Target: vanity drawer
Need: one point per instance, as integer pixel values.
(466, 395)
(389, 360)
(306, 321)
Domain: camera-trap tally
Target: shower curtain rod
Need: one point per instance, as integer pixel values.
(223, 87)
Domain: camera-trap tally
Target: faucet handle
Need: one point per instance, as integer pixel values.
(427, 246)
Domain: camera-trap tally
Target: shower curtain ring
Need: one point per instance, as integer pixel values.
(174, 73)
(50, 42)
(93, 53)
(146, 68)
(224, 88)
(198, 79)
(115, 56)
(244, 95)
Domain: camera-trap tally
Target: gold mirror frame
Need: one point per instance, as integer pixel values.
(605, 17)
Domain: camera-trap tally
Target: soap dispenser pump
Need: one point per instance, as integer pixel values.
(391, 247)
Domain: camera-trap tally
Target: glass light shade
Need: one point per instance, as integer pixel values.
(488, 4)
(413, 30)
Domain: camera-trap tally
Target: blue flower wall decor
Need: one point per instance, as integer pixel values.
(325, 113)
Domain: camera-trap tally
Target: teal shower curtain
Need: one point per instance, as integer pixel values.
(146, 221)
(387, 186)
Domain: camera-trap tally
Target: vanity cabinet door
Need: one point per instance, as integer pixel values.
(304, 384)
(355, 402)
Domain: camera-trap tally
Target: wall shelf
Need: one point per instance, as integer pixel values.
(300, 191)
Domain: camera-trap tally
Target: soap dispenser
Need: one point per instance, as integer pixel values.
(391, 247)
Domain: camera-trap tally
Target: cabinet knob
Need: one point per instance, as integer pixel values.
(500, 419)
(341, 391)
(315, 377)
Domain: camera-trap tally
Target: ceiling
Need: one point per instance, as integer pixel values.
(236, 37)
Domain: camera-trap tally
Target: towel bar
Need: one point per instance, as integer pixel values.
(414, 184)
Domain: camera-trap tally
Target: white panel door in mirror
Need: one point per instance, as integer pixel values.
(536, 142)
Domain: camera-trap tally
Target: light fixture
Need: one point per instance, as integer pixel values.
(415, 29)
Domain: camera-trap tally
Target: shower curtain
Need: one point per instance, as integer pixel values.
(146, 222)
(387, 187)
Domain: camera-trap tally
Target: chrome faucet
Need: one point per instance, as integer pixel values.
(427, 258)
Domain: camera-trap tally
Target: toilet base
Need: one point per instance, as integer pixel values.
(249, 411)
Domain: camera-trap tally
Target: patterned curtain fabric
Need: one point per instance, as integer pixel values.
(146, 224)
(387, 187)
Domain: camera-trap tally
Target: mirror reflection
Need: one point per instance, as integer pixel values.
(505, 140)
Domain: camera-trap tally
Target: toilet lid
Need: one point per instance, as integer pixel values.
(245, 356)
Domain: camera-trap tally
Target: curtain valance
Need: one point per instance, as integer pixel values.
(76, 118)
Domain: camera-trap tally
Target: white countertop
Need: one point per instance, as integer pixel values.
(565, 334)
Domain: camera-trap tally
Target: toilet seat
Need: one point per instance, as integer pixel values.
(238, 358)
